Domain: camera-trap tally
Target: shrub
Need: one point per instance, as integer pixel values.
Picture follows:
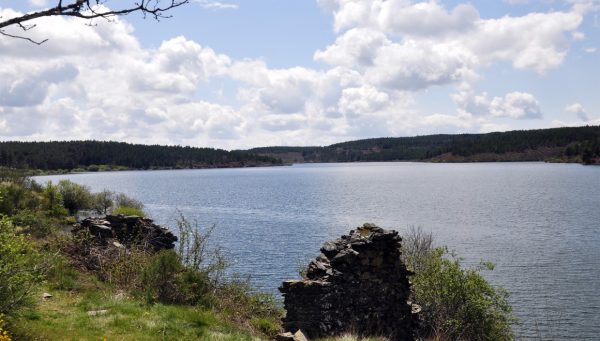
(76, 197)
(62, 275)
(20, 268)
(159, 278)
(124, 210)
(123, 268)
(14, 197)
(122, 200)
(416, 247)
(195, 249)
(459, 304)
(35, 223)
(103, 201)
(53, 200)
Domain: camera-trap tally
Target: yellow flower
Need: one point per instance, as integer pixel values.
(3, 333)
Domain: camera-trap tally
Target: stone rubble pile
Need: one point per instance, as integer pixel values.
(358, 284)
(127, 231)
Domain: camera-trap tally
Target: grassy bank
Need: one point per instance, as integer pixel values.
(58, 285)
(95, 311)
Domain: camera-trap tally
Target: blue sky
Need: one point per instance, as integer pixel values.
(241, 73)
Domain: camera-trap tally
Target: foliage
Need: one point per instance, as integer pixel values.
(36, 223)
(165, 279)
(15, 197)
(124, 210)
(75, 197)
(236, 299)
(122, 200)
(4, 336)
(21, 268)
(459, 304)
(53, 200)
(65, 316)
(116, 155)
(103, 201)
(588, 151)
(427, 147)
(195, 249)
(416, 247)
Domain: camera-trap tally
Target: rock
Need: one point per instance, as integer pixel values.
(415, 308)
(357, 285)
(123, 231)
(118, 245)
(97, 312)
(299, 336)
(101, 231)
(46, 295)
(285, 337)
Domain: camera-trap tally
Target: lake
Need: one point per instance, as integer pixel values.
(539, 223)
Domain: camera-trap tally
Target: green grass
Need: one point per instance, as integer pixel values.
(65, 317)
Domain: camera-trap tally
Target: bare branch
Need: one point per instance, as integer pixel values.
(24, 38)
(87, 9)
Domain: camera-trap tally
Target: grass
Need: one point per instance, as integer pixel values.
(66, 316)
(350, 337)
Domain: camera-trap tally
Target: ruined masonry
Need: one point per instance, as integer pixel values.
(128, 230)
(358, 284)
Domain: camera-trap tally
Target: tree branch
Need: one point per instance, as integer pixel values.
(87, 9)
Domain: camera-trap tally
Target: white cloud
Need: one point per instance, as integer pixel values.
(38, 3)
(517, 2)
(578, 110)
(99, 82)
(516, 105)
(590, 50)
(216, 4)
(577, 35)
(426, 18)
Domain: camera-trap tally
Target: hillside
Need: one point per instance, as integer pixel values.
(571, 144)
(98, 155)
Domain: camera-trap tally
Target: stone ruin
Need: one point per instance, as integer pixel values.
(358, 284)
(126, 231)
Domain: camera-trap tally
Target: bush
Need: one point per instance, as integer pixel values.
(124, 210)
(53, 200)
(122, 200)
(416, 247)
(195, 249)
(20, 268)
(103, 201)
(35, 223)
(14, 197)
(76, 197)
(165, 279)
(457, 303)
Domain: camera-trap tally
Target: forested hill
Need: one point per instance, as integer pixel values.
(96, 155)
(571, 144)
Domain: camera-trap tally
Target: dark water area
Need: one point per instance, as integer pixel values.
(539, 223)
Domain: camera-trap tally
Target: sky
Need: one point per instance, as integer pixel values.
(246, 73)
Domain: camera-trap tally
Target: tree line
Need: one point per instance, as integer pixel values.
(70, 155)
(572, 143)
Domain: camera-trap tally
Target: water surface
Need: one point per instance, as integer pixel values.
(537, 222)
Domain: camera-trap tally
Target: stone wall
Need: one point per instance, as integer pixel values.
(358, 284)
